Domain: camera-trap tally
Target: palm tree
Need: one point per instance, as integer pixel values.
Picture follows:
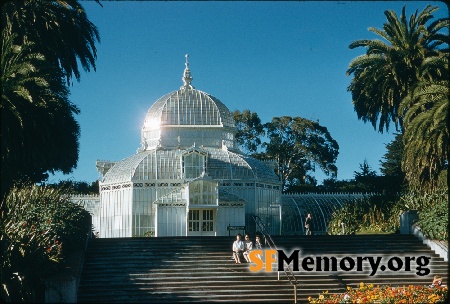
(39, 131)
(43, 44)
(426, 136)
(384, 75)
(59, 30)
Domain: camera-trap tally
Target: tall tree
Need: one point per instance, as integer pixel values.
(393, 178)
(299, 145)
(384, 75)
(59, 29)
(426, 136)
(249, 130)
(39, 130)
(366, 179)
(364, 171)
(391, 164)
(43, 44)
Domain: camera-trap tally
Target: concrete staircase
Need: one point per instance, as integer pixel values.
(201, 269)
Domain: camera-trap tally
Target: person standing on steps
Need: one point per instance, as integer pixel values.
(309, 225)
(238, 249)
(248, 248)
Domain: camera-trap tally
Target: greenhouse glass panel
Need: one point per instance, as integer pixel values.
(193, 165)
(194, 220)
(208, 220)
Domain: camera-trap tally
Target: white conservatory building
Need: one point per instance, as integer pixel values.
(188, 178)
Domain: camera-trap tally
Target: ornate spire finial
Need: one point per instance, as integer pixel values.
(187, 77)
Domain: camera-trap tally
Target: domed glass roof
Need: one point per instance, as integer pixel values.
(188, 107)
(188, 117)
(180, 122)
(157, 164)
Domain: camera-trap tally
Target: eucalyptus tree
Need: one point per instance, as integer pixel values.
(383, 76)
(249, 130)
(298, 145)
(426, 136)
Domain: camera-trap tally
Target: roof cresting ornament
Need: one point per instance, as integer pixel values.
(187, 77)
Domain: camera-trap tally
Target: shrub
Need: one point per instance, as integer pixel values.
(382, 213)
(41, 227)
(433, 213)
(368, 214)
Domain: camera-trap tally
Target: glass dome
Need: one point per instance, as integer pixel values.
(188, 117)
(188, 107)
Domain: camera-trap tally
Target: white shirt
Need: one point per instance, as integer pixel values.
(249, 245)
(238, 245)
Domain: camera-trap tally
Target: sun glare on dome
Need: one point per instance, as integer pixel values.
(151, 124)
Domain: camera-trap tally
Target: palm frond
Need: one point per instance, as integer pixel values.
(387, 72)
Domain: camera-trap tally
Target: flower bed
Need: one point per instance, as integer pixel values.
(368, 293)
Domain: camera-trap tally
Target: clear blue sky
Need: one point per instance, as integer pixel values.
(273, 58)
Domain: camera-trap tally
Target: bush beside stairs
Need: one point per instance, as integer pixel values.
(201, 269)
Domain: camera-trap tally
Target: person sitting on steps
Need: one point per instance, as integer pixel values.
(248, 248)
(258, 245)
(238, 249)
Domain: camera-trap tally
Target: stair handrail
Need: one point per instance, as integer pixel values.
(269, 241)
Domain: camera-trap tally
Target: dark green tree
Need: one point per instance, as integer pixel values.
(364, 171)
(59, 29)
(367, 179)
(43, 44)
(426, 136)
(391, 164)
(39, 130)
(383, 76)
(298, 145)
(334, 185)
(76, 187)
(393, 178)
(249, 130)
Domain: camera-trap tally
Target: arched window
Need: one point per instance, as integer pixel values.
(194, 164)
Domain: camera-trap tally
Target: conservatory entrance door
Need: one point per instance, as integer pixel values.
(201, 222)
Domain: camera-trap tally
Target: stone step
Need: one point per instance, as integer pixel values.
(176, 298)
(193, 269)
